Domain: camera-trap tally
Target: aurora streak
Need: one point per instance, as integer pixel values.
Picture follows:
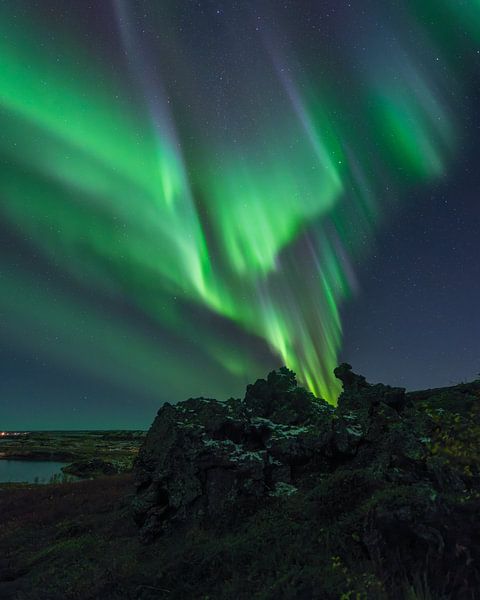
(237, 194)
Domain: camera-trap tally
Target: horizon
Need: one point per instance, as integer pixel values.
(147, 426)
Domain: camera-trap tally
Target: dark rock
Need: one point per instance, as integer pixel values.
(90, 468)
(279, 399)
(359, 395)
(395, 471)
(202, 456)
(349, 379)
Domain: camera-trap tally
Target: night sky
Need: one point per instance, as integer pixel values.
(195, 192)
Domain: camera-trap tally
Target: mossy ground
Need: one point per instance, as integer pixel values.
(78, 541)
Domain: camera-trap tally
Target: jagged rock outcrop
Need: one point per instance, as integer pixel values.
(397, 473)
(202, 456)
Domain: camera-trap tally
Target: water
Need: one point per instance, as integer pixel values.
(29, 471)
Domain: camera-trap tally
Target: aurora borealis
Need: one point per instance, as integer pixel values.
(188, 188)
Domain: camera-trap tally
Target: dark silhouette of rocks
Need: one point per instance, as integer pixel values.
(349, 379)
(94, 467)
(412, 502)
(201, 457)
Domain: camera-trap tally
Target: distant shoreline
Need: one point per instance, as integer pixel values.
(26, 431)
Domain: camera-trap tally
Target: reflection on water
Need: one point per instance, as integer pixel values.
(29, 471)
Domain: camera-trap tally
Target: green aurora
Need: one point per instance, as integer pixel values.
(255, 226)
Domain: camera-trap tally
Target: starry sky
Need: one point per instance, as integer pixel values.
(195, 192)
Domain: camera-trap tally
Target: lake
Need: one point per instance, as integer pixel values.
(30, 471)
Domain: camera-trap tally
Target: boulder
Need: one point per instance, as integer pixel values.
(94, 467)
(202, 457)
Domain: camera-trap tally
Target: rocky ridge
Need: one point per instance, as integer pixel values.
(202, 456)
(381, 466)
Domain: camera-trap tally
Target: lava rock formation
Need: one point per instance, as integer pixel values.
(380, 460)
